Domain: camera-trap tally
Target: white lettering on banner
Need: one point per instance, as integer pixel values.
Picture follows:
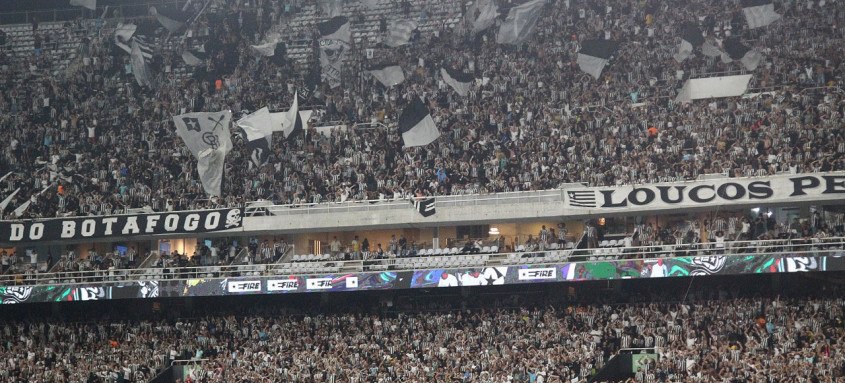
(192, 221)
(318, 283)
(282, 284)
(243, 286)
(88, 226)
(68, 229)
(773, 189)
(16, 232)
(36, 231)
(131, 226)
(108, 222)
(212, 220)
(542, 273)
(152, 220)
(171, 222)
(97, 227)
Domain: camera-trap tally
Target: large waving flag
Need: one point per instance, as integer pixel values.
(293, 119)
(520, 22)
(482, 15)
(416, 125)
(595, 55)
(459, 81)
(759, 13)
(399, 32)
(172, 18)
(334, 42)
(388, 74)
(140, 67)
(257, 125)
(691, 38)
(206, 134)
(736, 50)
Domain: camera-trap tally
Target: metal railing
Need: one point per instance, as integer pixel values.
(506, 198)
(451, 259)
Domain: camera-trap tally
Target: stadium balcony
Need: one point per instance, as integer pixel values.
(303, 265)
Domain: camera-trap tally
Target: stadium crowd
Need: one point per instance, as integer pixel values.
(712, 335)
(89, 134)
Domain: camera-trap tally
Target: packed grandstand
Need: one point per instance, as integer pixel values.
(74, 115)
(170, 106)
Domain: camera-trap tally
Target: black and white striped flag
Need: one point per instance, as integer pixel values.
(140, 65)
(584, 198)
(425, 206)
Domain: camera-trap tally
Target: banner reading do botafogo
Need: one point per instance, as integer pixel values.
(186, 222)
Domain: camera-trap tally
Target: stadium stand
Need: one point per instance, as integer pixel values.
(735, 330)
(73, 115)
(90, 118)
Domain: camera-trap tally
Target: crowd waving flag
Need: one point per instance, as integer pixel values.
(459, 81)
(388, 74)
(257, 125)
(266, 49)
(691, 38)
(482, 15)
(124, 34)
(6, 201)
(595, 55)
(334, 42)
(416, 125)
(759, 13)
(399, 32)
(140, 65)
(206, 134)
(172, 18)
(194, 57)
(292, 119)
(90, 4)
(520, 22)
(736, 50)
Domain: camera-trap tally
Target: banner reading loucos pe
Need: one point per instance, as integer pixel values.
(187, 222)
(724, 192)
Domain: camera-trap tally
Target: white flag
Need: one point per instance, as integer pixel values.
(90, 4)
(8, 200)
(266, 50)
(520, 22)
(291, 116)
(139, 65)
(207, 136)
(257, 125)
(23, 207)
(399, 32)
(487, 11)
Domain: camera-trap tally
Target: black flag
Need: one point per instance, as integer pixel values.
(425, 206)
